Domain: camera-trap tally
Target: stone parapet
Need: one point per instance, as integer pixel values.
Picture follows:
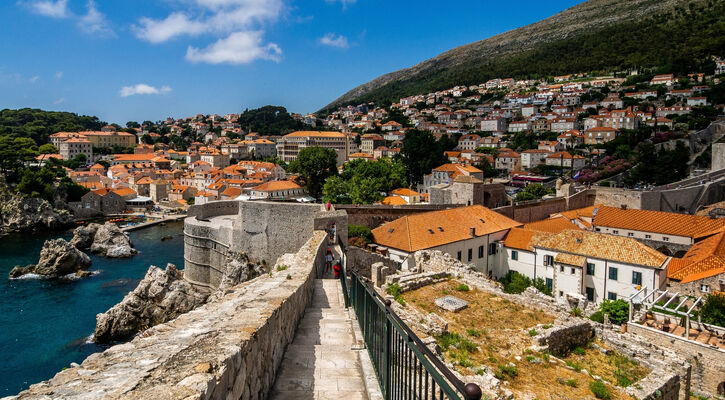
(230, 348)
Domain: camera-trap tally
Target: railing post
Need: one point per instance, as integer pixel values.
(387, 346)
(472, 391)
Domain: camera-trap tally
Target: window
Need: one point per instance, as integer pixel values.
(561, 293)
(648, 236)
(548, 260)
(470, 254)
(492, 248)
(549, 283)
(616, 232)
(480, 251)
(573, 271)
(611, 296)
(665, 239)
(514, 255)
(590, 293)
(613, 273)
(630, 234)
(459, 255)
(705, 288)
(636, 278)
(561, 268)
(590, 269)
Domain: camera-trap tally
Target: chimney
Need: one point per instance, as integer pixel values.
(473, 231)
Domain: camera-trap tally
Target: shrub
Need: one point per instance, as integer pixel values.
(598, 316)
(282, 267)
(540, 285)
(360, 231)
(533, 332)
(448, 340)
(572, 383)
(397, 293)
(508, 370)
(579, 351)
(473, 332)
(514, 282)
(463, 287)
(618, 311)
(576, 311)
(574, 365)
(599, 389)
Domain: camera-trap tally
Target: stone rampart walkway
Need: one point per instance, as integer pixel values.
(320, 363)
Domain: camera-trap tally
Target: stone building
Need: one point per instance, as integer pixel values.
(469, 191)
(73, 147)
(289, 146)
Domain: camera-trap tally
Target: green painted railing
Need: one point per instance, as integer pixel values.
(405, 367)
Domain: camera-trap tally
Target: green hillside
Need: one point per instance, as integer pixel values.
(39, 124)
(598, 35)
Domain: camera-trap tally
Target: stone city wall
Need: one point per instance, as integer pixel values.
(206, 244)
(562, 340)
(230, 348)
(214, 209)
(708, 363)
(265, 230)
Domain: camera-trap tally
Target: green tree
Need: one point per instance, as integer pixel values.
(713, 311)
(13, 152)
(533, 191)
(421, 153)
(314, 165)
(335, 191)
(48, 149)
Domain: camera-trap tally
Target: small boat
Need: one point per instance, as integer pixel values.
(167, 237)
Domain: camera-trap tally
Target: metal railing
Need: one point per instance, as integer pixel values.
(404, 366)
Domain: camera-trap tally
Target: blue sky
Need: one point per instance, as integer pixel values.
(150, 59)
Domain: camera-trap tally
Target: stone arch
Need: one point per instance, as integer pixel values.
(664, 250)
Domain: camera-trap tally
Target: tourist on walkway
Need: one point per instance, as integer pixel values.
(328, 260)
(336, 268)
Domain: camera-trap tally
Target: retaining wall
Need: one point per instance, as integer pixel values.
(361, 261)
(227, 349)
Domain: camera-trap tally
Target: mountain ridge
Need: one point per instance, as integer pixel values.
(579, 20)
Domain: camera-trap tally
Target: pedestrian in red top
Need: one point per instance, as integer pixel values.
(337, 270)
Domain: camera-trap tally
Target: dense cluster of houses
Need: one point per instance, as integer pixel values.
(592, 254)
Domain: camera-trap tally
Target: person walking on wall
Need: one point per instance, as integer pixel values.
(328, 260)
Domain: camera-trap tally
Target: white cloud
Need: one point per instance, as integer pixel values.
(95, 22)
(344, 3)
(59, 101)
(334, 41)
(34, 79)
(142, 88)
(50, 8)
(59, 75)
(237, 48)
(236, 25)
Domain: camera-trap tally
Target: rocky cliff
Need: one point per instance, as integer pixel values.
(24, 214)
(163, 295)
(57, 259)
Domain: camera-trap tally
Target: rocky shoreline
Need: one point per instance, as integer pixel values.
(107, 240)
(163, 295)
(26, 214)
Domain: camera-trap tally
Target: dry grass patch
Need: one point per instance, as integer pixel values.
(496, 333)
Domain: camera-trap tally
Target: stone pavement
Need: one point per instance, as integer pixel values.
(321, 362)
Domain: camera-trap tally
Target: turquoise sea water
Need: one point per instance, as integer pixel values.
(45, 325)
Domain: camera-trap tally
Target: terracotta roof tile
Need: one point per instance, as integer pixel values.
(553, 225)
(599, 245)
(692, 226)
(523, 239)
(436, 228)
